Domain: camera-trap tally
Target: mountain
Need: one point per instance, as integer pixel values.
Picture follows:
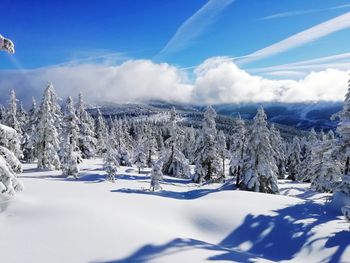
(302, 116)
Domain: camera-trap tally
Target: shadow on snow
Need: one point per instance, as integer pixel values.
(273, 237)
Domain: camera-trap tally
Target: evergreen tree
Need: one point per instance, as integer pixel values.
(101, 134)
(222, 149)
(150, 145)
(174, 162)
(70, 153)
(111, 163)
(305, 169)
(29, 135)
(156, 176)
(208, 162)
(294, 159)
(47, 136)
(140, 158)
(260, 170)
(86, 136)
(9, 164)
(11, 115)
(237, 150)
(325, 166)
(278, 146)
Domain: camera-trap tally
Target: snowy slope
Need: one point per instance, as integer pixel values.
(91, 220)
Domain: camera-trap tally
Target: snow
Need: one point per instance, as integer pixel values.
(58, 219)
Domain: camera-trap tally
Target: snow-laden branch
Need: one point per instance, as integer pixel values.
(7, 45)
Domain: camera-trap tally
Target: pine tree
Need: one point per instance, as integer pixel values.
(278, 146)
(11, 115)
(305, 168)
(140, 158)
(70, 154)
(326, 168)
(156, 176)
(174, 162)
(101, 134)
(260, 170)
(222, 149)
(150, 144)
(294, 159)
(47, 136)
(86, 136)
(29, 135)
(189, 145)
(9, 164)
(237, 150)
(208, 162)
(110, 159)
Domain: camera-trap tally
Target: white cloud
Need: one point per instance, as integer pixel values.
(216, 80)
(134, 80)
(195, 26)
(220, 80)
(303, 12)
(321, 30)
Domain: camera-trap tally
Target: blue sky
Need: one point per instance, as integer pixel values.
(52, 32)
(182, 33)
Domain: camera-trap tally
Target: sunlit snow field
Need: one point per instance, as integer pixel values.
(57, 219)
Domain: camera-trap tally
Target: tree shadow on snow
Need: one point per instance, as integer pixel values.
(186, 195)
(281, 236)
(151, 252)
(272, 237)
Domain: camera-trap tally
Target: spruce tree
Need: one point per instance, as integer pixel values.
(237, 149)
(86, 135)
(174, 161)
(70, 154)
(208, 162)
(47, 139)
(101, 134)
(260, 170)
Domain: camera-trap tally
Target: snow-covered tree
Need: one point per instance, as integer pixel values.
(189, 145)
(140, 158)
(279, 148)
(110, 159)
(70, 154)
(9, 164)
(294, 159)
(305, 168)
(101, 134)
(222, 149)
(208, 162)
(343, 149)
(29, 135)
(6, 45)
(10, 139)
(174, 161)
(260, 170)
(47, 140)
(11, 115)
(326, 167)
(150, 145)
(86, 136)
(156, 176)
(237, 149)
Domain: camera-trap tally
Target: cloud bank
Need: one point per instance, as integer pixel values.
(216, 80)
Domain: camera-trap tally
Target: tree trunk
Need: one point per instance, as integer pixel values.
(238, 175)
(139, 170)
(347, 165)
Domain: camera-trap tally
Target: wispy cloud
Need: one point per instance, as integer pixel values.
(340, 61)
(194, 26)
(321, 30)
(303, 12)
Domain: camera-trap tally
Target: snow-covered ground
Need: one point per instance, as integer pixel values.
(91, 220)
